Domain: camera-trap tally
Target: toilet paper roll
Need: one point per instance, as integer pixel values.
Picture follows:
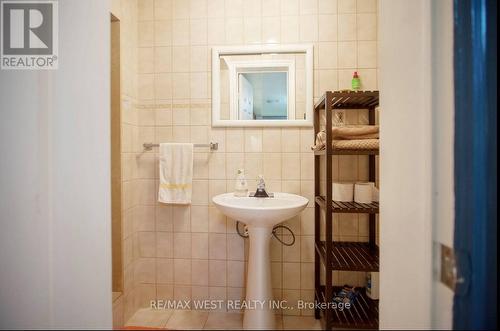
(343, 192)
(363, 192)
(375, 194)
(372, 286)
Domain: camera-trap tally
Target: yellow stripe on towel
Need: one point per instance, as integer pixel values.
(170, 186)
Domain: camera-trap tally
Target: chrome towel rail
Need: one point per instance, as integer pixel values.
(211, 145)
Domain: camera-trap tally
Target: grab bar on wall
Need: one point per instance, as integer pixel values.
(211, 145)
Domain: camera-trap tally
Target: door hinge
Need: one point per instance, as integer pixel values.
(455, 269)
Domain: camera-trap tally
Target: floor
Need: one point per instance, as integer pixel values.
(202, 320)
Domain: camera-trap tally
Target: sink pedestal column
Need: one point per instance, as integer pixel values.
(259, 289)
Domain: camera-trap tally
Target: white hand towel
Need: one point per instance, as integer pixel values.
(176, 173)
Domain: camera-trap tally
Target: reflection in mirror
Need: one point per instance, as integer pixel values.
(262, 88)
(263, 96)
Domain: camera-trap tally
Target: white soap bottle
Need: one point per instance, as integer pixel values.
(241, 185)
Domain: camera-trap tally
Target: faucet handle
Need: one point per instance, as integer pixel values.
(261, 183)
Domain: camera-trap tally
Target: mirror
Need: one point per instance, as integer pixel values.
(263, 95)
(262, 86)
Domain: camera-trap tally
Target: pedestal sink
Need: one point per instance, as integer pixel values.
(260, 215)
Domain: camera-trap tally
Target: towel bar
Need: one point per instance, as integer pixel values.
(213, 146)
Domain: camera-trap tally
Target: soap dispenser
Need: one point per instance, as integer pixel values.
(241, 185)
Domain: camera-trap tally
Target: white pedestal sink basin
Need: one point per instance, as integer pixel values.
(260, 215)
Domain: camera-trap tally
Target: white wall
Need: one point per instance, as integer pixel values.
(24, 235)
(416, 84)
(55, 181)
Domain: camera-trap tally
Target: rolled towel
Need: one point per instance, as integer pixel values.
(320, 141)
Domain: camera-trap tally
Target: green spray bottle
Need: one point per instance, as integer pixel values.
(356, 82)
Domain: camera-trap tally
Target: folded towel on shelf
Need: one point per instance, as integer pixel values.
(355, 132)
(364, 137)
(176, 173)
(359, 144)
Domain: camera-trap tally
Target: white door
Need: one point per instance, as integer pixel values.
(245, 99)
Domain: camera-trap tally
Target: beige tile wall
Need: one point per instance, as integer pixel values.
(193, 252)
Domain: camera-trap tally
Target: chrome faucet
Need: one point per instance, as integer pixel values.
(261, 189)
